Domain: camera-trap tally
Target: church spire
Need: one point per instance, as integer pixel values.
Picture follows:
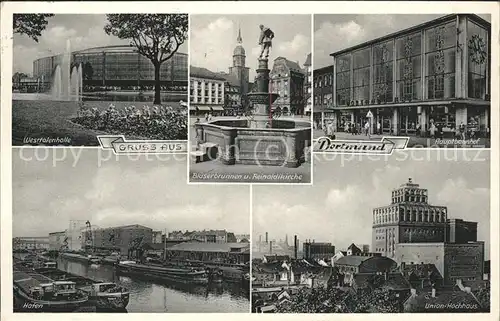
(239, 40)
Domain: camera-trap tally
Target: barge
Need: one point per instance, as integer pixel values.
(190, 275)
(104, 295)
(80, 258)
(36, 293)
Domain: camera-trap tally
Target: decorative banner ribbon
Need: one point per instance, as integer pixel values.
(383, 147)
(119, 145)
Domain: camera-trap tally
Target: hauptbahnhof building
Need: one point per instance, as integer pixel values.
(437, 72)
(119, 66)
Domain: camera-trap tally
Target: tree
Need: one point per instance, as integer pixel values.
(16, 78)
(156, 37)
(31, 25)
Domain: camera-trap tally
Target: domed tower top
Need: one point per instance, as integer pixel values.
(239, 54)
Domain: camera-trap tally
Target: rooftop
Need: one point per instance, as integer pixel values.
(308, 60)
(107, 49)
(210, 247)
(205, 73)
(290, 64)
(412, 29)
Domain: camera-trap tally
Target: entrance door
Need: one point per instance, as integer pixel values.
(408, 120)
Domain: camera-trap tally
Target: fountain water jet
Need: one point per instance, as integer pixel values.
(67, 83)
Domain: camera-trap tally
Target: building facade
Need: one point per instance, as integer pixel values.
(157, 237)
(122, 238)
(230, 253)
(434, 73)
(287, 80)
(308, 85)
(318, 251)
(120, 66)
(240, 72)
(57, 241)
(206, 92)
(408, 219)
(31, 243)
(233, 96)
(453, 261)
(323, 96)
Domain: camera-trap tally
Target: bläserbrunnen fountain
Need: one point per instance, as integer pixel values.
(260, 139)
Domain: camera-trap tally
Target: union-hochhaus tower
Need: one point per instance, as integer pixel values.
(408, 219)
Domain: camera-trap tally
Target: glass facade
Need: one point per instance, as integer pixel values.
(361, 74)
(477, 43)
(122, 64)
(383, 71)
(440, 49)
(343, 80)
(409, 67)
(423, 57)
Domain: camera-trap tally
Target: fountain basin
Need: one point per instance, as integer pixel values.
(283, 144)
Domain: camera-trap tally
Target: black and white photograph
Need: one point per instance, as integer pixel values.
(249, 84)
(93, 232)
(77, 76)
(402, 234)
(422, 76)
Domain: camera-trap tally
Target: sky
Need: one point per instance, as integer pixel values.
(337, 32)
(338, 207)
(152, 192)
(215, 36)
(83, 30)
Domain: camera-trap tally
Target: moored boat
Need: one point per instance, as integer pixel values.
(37, 293)
(80, 258)
(104, 295)
(107, 295)
(178, 274)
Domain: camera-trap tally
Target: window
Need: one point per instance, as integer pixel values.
(361, 75)
(409, 67)
(343, 79)
(440, 61)
(382, 69)
(477, 43)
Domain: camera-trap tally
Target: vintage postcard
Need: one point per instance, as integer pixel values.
(226, 160)
(248, 101)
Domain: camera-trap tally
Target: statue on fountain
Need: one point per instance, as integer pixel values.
(265, 41)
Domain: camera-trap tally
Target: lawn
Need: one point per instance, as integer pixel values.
(53, 119)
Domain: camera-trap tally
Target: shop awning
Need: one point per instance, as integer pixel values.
(207, 108)
(192, 107)
(215, 108)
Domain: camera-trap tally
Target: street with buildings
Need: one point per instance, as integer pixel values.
(427, 81)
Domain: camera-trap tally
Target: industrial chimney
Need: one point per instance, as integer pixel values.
(260, 238)
(271, 248)
(295, 246)
(267, 237)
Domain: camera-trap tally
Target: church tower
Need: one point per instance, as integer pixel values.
(239, 70)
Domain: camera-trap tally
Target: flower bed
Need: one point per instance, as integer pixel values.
(156, 123)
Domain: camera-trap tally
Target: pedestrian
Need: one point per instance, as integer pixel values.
(367, 129)
(432, 131)
(330, 130)
(379, 128)
(461, 129)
